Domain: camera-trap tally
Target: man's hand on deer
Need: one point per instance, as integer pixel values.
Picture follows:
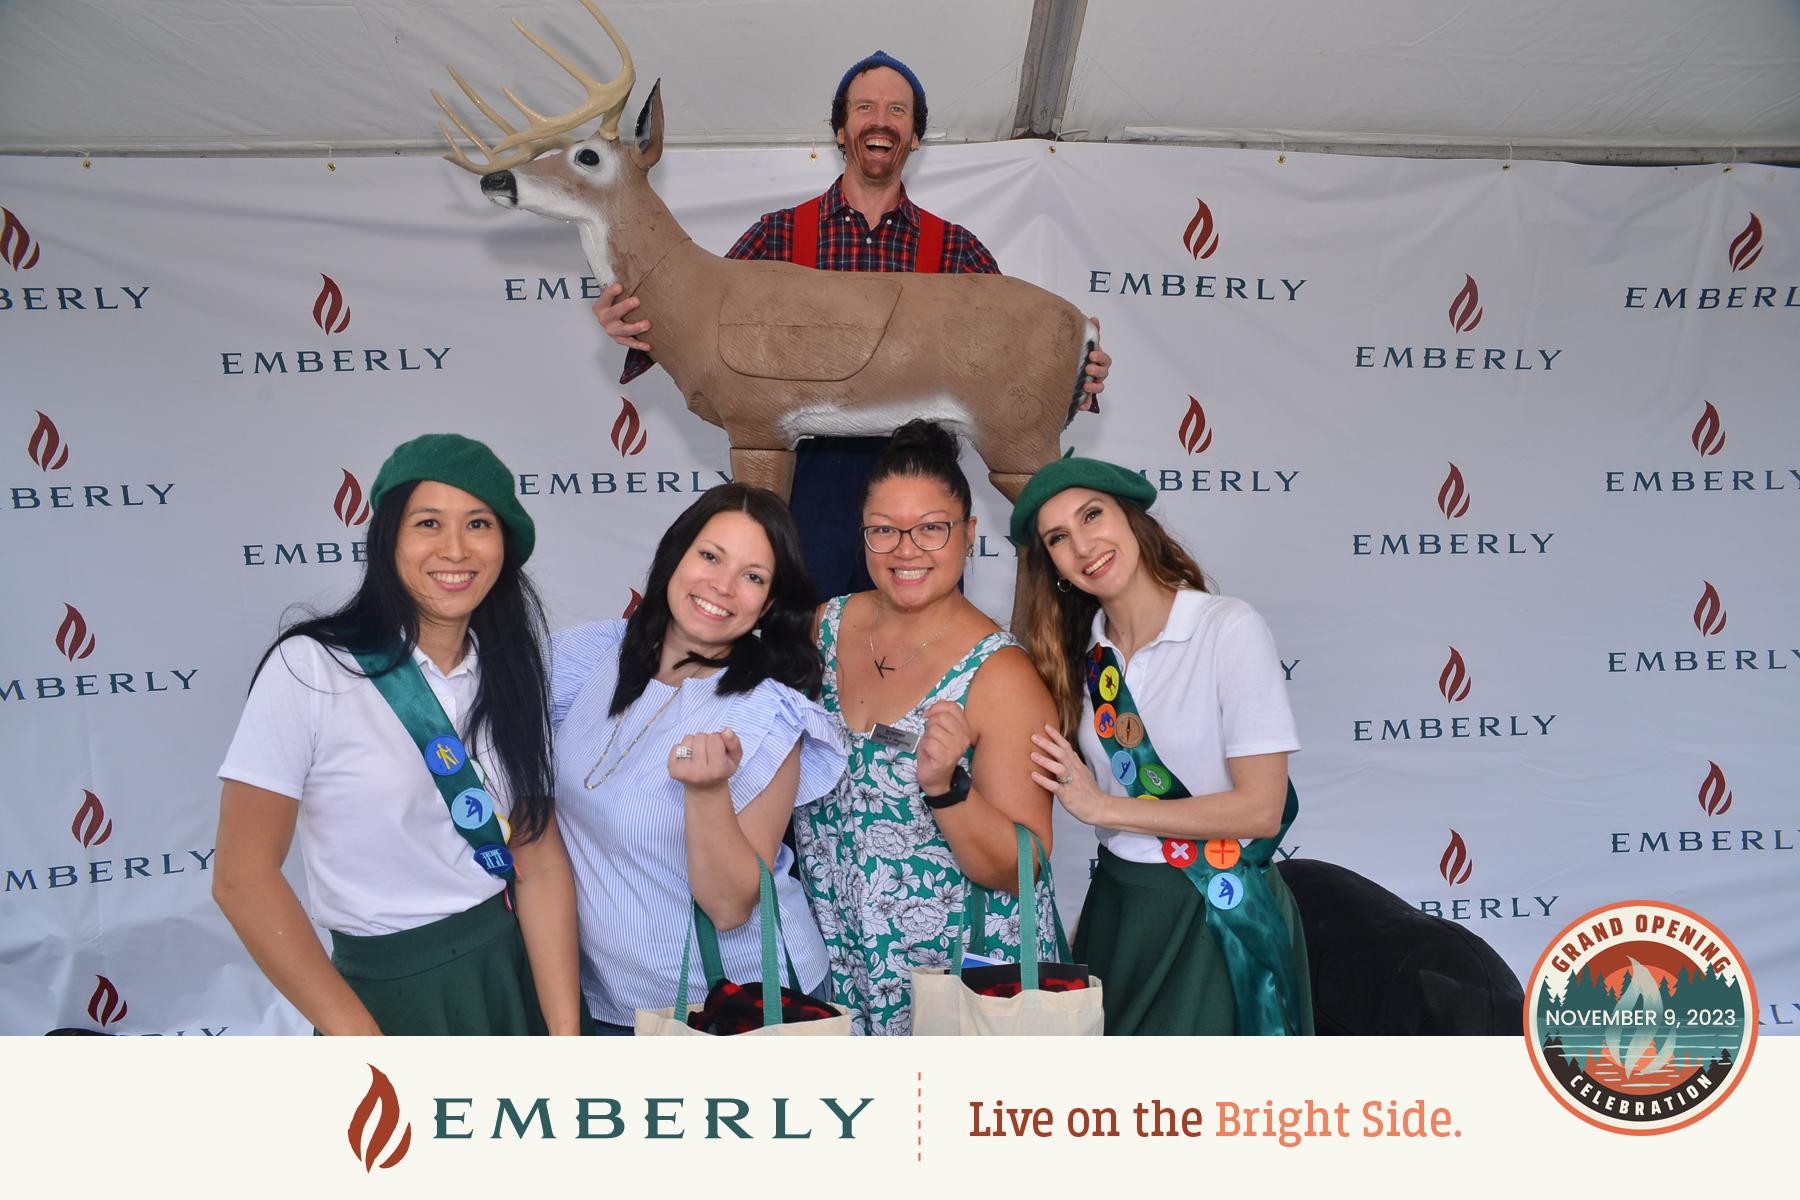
(611, 310)
(1099, 365)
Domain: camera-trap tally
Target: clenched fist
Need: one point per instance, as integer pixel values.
(947, 736)
(709, 758)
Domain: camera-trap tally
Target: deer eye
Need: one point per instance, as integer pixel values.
(587, 158)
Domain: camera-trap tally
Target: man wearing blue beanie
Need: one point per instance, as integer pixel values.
(863, 222)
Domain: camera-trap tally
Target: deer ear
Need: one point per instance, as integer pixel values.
(649, 132)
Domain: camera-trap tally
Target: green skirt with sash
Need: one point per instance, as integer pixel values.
(1143, 932)
(465, 974)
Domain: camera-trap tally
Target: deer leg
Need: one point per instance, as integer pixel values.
(1008, 485)
(772, 469)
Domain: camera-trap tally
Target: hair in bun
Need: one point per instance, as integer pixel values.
(923, 450)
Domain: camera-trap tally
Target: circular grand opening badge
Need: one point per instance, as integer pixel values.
(1640, 1017)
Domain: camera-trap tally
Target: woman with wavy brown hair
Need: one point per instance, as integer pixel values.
(1176, 698)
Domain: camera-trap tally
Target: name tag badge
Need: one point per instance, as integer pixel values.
(894, 737)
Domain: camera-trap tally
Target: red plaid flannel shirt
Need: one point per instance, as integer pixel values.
(846, 243)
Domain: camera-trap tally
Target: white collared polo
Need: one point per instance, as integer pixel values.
(1209, 687)
(380, 850)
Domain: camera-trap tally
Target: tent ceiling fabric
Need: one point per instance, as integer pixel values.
(270, 76)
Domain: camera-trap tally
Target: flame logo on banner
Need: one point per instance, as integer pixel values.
(1453, 497)
(16, 246)
(1201, 239)
(628, 436)
(1709, 432)
(1453, 680)
(72, 636)
(1714, 797)
(330, 313)
(87, 826)
(349, 505)
(380, 1096)
(1455, 866)
(1465, 310)
(1194, 434)
(631, 605)
(105, 1006)
(1746, 247)
(1709, 614)
(46, 445)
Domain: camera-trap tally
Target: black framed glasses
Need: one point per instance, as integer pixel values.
(927, 535)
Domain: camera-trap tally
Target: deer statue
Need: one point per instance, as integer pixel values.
(772, 352)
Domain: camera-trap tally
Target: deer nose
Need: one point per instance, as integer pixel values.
(500, 187)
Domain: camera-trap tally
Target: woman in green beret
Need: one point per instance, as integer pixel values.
(407, 735)
(1177, 701)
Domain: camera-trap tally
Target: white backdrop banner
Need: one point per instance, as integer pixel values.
(1507, 456)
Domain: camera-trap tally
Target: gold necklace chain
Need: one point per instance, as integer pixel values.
(882, 670)
(588, 781)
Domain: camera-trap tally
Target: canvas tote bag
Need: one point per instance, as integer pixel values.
(942, 1004)
(663, 1022)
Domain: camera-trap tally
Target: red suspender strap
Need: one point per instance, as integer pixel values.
(805, 250)
(931, 243)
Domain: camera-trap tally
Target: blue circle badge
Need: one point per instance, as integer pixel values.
(1124, 769)
(1226, 891)
(445, 755)
(494, 859)
(471, 809)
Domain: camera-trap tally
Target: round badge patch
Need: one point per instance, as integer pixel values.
(1640, 1017)
(494, 859)
(471, 809)
(1128, 730)
(1124, 770)
(1104, 719)
(1155, 778)
(1093, 671)
(1225, 892)
(1179, 853)
(445, 755)
(1223, 853)
(1109, 683)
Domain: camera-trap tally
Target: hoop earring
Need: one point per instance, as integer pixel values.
(1062, 585)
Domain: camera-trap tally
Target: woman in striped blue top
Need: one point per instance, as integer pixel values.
(685, 739)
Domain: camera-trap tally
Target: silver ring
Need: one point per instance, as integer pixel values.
(1065, 779)
(684, 752)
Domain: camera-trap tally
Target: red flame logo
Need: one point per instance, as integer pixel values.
(72, 636)
(16, 246)
(628, 436)
(1453, 680)
(46, 445)
(105, 1006)
(380, 1096)
(1465, 310)
(87, 826)
(1200, 239)
(1714, 798)
(1455, 866)
(1195, 435)
(1746, 247)
(1453, 497)
(1709, 614)
(1709, 432)
(349, 505)
(631, 605)
(330, 313)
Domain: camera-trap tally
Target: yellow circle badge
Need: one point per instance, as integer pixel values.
(1640, 1017)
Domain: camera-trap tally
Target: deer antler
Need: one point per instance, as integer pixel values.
(604, 99)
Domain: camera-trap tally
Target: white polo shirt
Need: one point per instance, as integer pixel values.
(380, 850)
(1209, 687)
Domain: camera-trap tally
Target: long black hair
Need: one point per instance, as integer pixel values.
(922, 449)
(779, 648)
(511, 701)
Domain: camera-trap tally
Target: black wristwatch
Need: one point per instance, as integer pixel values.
(957, 793)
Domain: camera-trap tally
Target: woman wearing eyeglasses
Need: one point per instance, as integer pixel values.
(938, 706)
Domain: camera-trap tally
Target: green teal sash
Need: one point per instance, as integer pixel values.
(411, 698)
(1252, 934)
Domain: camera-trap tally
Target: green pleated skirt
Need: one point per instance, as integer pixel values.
(465, 974)
(1143, 932)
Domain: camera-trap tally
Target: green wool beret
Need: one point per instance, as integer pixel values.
(1070, 472)
(462, 463)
